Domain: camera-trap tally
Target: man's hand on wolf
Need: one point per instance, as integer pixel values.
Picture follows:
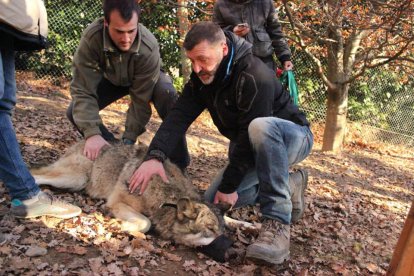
(93, 146)
(226, 198)
(144, 173)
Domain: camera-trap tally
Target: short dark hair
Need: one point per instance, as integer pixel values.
(203, 30)
(125, 8)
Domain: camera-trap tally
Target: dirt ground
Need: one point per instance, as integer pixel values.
(357, 202)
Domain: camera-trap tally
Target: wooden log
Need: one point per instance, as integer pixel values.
(402, 262)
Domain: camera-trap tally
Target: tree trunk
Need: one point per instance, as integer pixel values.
(336, 113)
(184, 26)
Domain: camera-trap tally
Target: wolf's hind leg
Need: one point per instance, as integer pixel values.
(71, 173)
(133, 222)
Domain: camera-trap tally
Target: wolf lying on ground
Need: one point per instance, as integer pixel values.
(184, 219)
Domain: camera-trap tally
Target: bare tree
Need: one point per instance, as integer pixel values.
(184, 26)
(185, 9)
(350, 36)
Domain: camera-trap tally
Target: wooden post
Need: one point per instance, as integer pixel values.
(402, 262)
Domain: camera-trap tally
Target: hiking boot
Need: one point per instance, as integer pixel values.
(41, 205)
(298, 181)
(3, 238)
(272, 245)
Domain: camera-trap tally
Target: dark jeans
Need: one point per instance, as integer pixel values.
(164, 97)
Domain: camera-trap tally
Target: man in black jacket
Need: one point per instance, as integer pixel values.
(266, 130)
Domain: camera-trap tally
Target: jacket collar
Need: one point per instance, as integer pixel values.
(109, 46)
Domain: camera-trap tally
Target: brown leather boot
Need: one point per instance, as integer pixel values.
(272, 245)
(298, 181)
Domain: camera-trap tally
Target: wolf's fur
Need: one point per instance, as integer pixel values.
(191, 223)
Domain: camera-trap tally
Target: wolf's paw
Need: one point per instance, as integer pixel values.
(136, 226)
(138, 235)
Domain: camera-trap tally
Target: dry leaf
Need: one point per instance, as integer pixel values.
(95, 264)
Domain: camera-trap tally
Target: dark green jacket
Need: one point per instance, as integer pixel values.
(97, 57)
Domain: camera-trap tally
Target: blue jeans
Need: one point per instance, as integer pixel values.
(277, 144)
(13, 171)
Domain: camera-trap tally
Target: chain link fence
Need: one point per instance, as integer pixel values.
(380, 100)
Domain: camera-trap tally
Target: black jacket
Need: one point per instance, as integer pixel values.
(243, 89)
(23, 25)
(265, 30)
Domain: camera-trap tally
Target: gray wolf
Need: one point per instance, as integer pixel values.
(174, 209)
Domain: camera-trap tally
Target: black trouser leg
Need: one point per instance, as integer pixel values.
(164, 98)
(107, 93)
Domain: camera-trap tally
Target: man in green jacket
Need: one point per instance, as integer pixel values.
(118, 56)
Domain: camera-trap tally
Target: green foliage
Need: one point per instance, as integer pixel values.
(311, 88)
(163, 23)
(400, 109)
(162, 20)
(371, 97)
(179, 84)
(67, 20)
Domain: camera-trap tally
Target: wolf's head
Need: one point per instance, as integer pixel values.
(189, 222)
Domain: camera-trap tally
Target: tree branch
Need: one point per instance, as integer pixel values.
(170, 3)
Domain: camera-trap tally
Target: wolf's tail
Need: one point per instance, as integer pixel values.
(71, 172)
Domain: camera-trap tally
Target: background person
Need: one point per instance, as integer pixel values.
(23, 26)
(257, 22)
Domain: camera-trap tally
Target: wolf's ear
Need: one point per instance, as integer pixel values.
(185, 208)
(223, 207)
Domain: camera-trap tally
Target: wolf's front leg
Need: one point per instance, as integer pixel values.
(133, 222)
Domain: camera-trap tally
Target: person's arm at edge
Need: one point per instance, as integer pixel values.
(279, 42)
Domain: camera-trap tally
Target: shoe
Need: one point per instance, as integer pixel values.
(298, 181)
(126, 141)
(272, 245)
(3, 238)
(44, 205)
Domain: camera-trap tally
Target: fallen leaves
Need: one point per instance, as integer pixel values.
(78, 250)
(35, 251)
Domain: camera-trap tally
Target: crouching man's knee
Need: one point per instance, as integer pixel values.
(260, 130)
